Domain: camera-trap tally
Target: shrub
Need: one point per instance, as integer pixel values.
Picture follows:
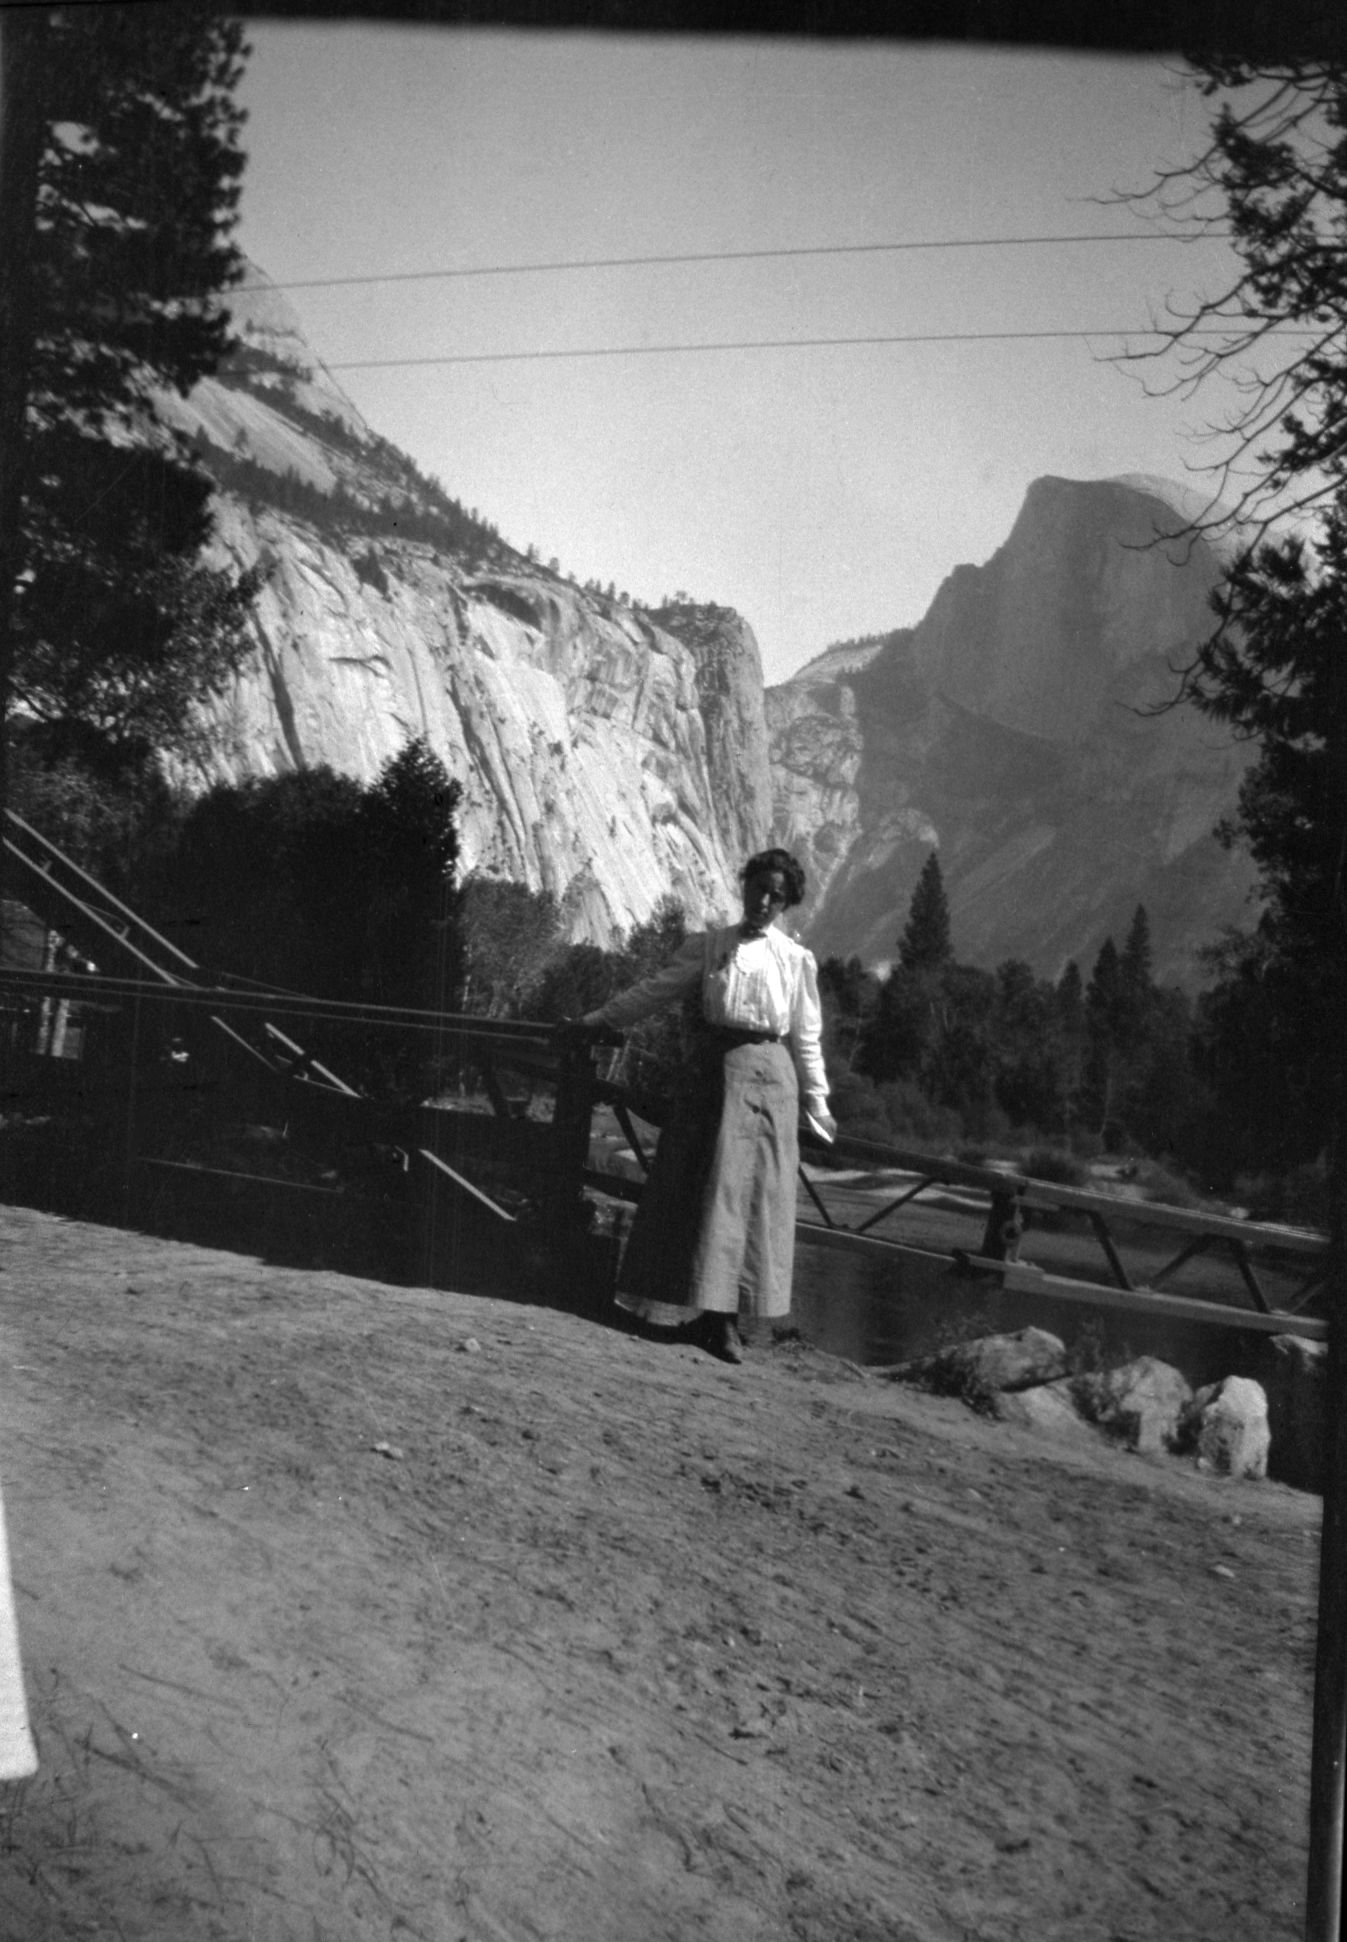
(914, 1121)
(1159, 1184)
(1088, 1352)
(1300, 1196)
(1051, 1164)
(858, 1109)
(984, 1120)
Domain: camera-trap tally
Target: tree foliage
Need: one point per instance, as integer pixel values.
(120, 630)
(116, 625)
(508, 934)
(1273, 670)
(850, 994)
(313, 883)
(1271, 1082)
(1273, 176)
(656, 1047)
(419, 509)
(925, 942)
(956, 1052)
(1277, 673)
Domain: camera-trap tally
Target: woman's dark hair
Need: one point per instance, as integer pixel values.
(791, 869)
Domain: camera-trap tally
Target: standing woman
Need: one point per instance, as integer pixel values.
(714, 1234)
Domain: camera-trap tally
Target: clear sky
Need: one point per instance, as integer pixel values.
(824, 492)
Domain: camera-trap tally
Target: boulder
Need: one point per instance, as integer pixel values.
(989, 1366)
(1141, 1403)
(1228, 1422)
(1049, 1407)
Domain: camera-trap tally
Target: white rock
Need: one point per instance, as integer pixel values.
(1232, 1427)
(1141, 1403)
(1049, 1407)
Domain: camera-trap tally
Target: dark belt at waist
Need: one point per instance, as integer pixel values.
(733, 1035)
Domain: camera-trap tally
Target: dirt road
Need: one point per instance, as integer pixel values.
(355, 1612)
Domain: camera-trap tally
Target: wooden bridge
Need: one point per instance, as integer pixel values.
(148, 1064)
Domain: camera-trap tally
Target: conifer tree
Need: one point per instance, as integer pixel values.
(1071, 1027)
(121, 189)
(408, 845)
(1275, 670)
(1136, 991)
(1274, 174)
(1102, 1017)
(1026, 1048)
(957, 1069)
(925, 942)
(1135, 964)
(1071, 999)
(312, 881)
(930, 1024)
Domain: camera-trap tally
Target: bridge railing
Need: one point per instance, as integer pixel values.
(1112, 1249)
(1277, 1271)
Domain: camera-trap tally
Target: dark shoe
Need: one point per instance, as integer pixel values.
(722, 1338)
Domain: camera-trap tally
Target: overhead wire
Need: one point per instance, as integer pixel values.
(1185, 238)
(783, 344)
(737, 256)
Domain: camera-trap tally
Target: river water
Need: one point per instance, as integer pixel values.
(883, 1310)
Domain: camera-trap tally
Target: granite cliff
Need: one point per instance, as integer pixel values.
(607, 753)
(1021, 728)
(613, 754)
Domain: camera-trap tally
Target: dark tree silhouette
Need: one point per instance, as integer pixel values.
(1274, 175)
(925, 942)
(1103, 1010)
(122, 180)
(314, 883)
(1282, 674)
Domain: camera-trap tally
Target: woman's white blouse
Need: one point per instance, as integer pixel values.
(759, 984)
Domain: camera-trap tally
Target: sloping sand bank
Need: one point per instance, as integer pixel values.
(338, 1627)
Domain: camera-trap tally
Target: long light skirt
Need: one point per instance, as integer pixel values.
(18, 1757)
(715, 1226)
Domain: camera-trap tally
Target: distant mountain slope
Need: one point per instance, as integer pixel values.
(608, 754)
(1021, 727)
(613, 754)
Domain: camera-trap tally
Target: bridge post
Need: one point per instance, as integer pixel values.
(1005, 1225)
(571, 1121)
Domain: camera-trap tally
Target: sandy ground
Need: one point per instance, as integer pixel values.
(353, 1611)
